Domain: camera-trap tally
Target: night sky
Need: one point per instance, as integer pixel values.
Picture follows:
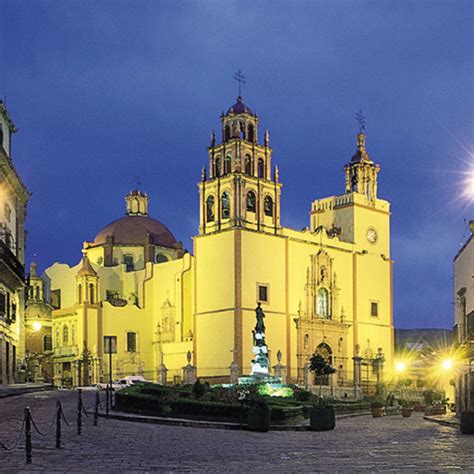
(105, 91)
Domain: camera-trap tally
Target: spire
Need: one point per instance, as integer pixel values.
(266, 140)
(213, 138)
(33, 270)
(86, 268)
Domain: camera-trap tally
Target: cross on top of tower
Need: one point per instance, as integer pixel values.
(240, 78)
(360, 117)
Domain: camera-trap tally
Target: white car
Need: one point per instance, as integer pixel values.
(122, 383)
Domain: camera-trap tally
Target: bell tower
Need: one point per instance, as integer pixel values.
(239, 189)
(361, 172)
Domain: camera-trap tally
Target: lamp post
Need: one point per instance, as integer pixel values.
(400, 367)
(110, 347)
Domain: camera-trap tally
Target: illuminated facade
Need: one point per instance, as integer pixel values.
(13, 202)
(326, 288)
(464, 323)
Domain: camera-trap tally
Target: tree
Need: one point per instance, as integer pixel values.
(321, 367)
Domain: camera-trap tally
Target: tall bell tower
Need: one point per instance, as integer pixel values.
(239, 189)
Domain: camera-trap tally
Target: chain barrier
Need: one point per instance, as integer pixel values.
(29, 424)
(15, 444)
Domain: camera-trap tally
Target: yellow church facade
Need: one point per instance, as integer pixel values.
(327, 288)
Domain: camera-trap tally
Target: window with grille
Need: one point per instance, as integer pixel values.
(374, 309)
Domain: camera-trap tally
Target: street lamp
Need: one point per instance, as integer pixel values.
(447, 364)
(400, 367)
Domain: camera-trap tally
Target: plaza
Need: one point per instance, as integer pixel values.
(361, 443)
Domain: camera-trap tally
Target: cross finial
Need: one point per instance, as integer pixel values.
(240, 78)
(138, 181)
(360, 117)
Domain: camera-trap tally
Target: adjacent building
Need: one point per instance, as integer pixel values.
(464, 322)
(327, 288)
(13, 201)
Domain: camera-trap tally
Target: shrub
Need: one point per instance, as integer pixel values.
(377, 403)
(199, 389)
(207, 409)
(138, 403)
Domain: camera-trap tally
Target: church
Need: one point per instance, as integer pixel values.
(165, 313)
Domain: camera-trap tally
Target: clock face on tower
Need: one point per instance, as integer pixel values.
(372, 235)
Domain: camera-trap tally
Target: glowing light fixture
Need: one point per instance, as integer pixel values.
(400, 366)
(447, 364)
(37, 325)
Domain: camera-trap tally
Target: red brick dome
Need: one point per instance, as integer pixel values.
(136, 230)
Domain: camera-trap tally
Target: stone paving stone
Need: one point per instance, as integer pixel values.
(359, 444)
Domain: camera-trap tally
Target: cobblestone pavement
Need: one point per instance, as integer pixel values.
(357, 444)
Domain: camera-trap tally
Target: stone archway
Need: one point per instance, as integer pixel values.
(326, 352)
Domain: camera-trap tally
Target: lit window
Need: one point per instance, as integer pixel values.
(374, 309)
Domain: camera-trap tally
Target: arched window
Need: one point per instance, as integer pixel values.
(217, 171)
(225, 205)
(250, 133)
(128, 261)
(65, 335)
(91, 293)
(251, 201)
(248, 165)
(227, 132)
(79, 293)
(210, 209)
(227, 164)
(261, 168)
(268, 206)
(37, 290)
(323, 303)
(242, 130)
(160, 258)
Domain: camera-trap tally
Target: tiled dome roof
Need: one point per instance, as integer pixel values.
(239, 108)
(136, 230)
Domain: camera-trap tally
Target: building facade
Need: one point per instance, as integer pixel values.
(327, 288)
(464, 323)
(13, 202)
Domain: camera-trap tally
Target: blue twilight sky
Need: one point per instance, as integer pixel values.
(103, 91)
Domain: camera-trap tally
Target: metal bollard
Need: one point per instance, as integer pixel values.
(28, 447)
(107, 402)
(79, 411)
(96, 407)
(58, 424)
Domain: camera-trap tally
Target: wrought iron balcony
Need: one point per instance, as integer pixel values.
(11, 262)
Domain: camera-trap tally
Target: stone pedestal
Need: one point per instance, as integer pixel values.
(279, 371)
(234, 372)
(189, 374)
(162, 374)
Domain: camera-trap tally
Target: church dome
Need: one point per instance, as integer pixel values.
(136, 230)
(239, 108)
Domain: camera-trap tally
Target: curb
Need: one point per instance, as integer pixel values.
(223, 425)
(11, 392)
(440, 421)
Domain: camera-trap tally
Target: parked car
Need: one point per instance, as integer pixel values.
(124, 382)
(91, 387)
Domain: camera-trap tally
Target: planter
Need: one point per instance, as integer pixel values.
(259, 418)
(377, 412)
(322, 419)
(406, 412)
(420, 408)
(467, 422)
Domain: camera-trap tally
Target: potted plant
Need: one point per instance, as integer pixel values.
(407, 408)
(322, 416)
(376, 407)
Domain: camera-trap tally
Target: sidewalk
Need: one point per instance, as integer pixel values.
(21, 388)
(447, 420)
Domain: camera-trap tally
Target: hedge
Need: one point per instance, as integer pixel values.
(138, 403)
